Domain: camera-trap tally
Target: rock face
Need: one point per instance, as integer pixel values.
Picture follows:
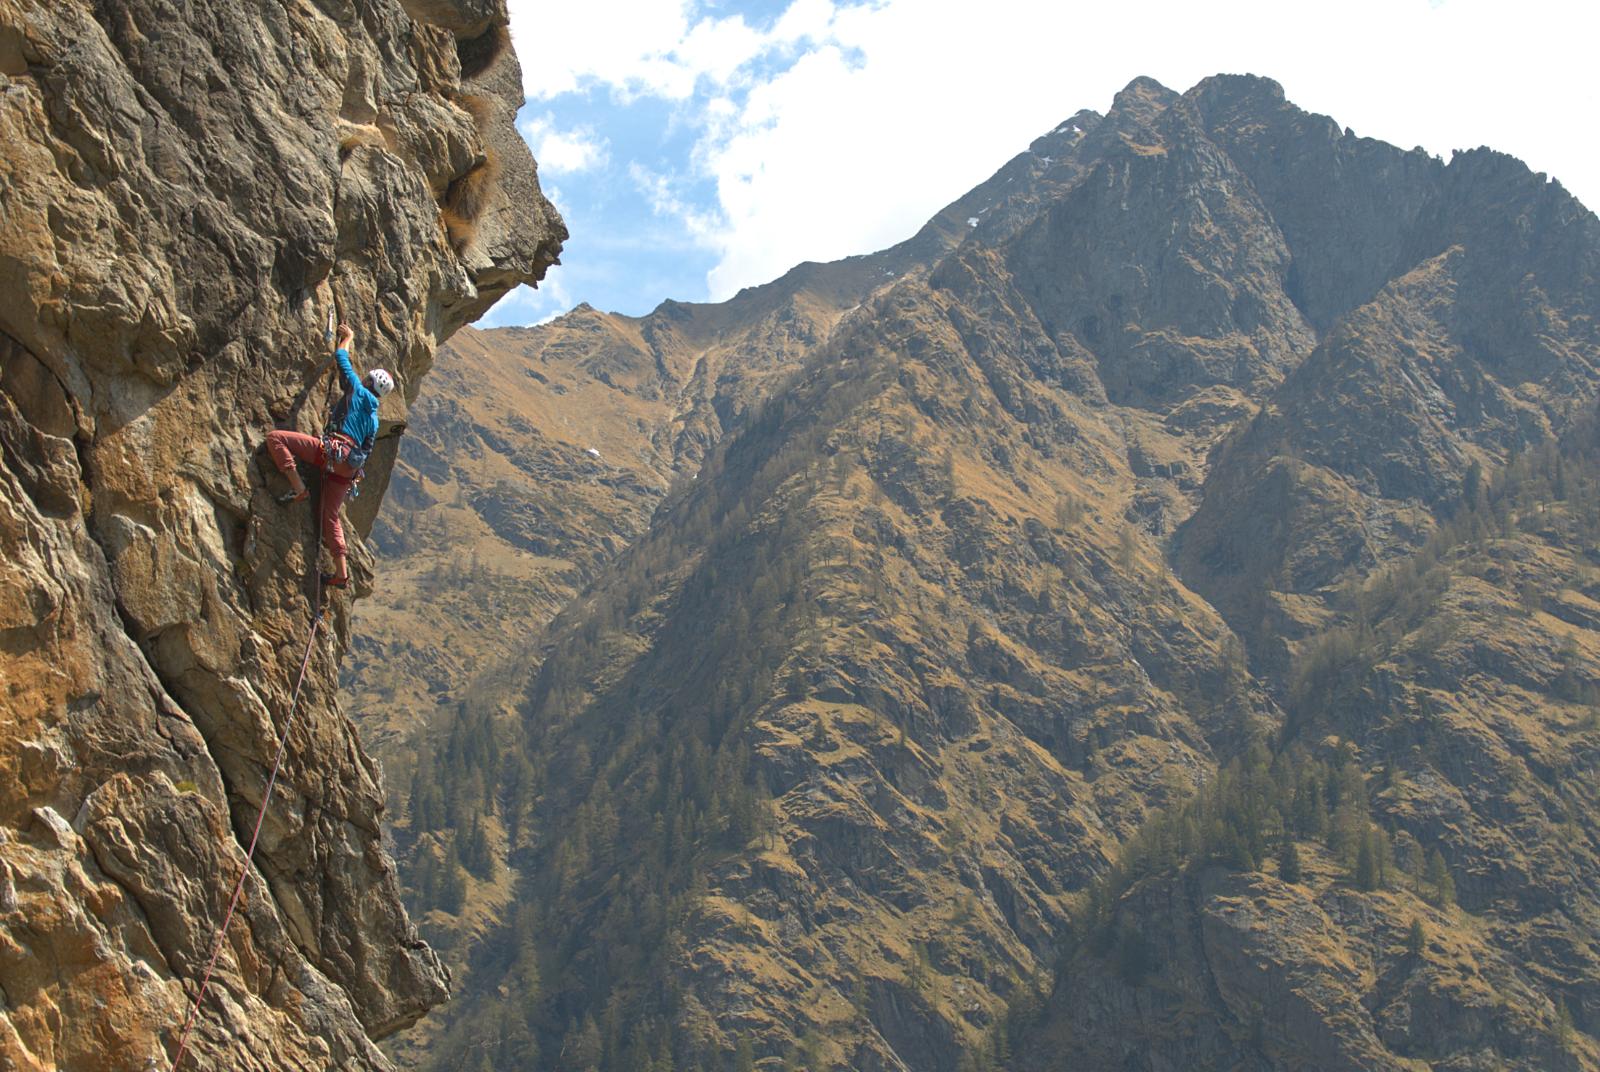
(185, 195)
(1090, 500)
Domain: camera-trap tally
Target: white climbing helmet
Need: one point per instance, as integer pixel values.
(382, 382)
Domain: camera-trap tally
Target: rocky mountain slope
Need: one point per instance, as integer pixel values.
(539, 455)
(542, 453)
(997, 643)
(186, 194)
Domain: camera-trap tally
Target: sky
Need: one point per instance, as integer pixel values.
(699, 146)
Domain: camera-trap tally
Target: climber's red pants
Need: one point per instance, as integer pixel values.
(285, 447)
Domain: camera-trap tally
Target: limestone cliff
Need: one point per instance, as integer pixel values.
(185, 195)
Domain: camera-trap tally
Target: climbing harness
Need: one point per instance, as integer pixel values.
(250, 854)
(339, 450)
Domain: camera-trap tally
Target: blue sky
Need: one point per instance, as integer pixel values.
(627, 251)
(698, 146)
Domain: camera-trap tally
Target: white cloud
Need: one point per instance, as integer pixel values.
(558, 151)
(632, 47)
(716, 49)
(555, 300)
(804, 19)
(896, 107)
(526, 305)
(664, 200)
(617, 42)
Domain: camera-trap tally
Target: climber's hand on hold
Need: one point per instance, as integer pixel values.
(347, 336)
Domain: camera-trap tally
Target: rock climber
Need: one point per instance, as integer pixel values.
(340, 452)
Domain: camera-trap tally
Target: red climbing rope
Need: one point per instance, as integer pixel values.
(250, 855)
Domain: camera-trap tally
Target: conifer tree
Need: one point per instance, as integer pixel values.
(1366, 874)
(583, 1050)
(1416, 939)
(453, 888)
(1289, 861)
(1441, 884)
(1564, 1027)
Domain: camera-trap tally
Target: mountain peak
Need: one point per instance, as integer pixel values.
(1239, 86)
(1143, 95)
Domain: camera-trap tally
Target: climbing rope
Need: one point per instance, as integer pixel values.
(272, 781)
(250, 854)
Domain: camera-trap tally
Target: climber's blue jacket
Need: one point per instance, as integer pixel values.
(356, 415)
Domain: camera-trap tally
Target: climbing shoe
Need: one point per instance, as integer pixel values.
(330, 581)
(292, 496)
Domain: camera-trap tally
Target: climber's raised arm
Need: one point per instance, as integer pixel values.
(347, 336)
